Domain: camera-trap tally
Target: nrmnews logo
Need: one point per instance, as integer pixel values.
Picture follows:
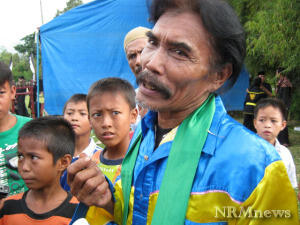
(231, 212)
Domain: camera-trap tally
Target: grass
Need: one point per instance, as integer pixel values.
(294, 147)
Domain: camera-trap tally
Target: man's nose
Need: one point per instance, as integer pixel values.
(155, 60)
(138, 60)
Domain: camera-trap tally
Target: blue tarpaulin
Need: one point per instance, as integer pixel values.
(86, 44)
(235, 97)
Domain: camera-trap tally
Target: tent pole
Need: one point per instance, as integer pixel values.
(37, 76)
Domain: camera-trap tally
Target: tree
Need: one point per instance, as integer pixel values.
(29, 46)
(273, 39)
(20, 64)
(70, 5)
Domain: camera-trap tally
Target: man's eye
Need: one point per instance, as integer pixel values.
(152, 42)
(115, 112)
(2, 92)
(83, 114)
(180, 53)
(20, 157)
(132, 56)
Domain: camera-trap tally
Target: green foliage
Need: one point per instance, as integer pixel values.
(70, 5)
(29, 46)
(20, 64)
(273, 38)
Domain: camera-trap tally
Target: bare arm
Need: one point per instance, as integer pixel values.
(88, 184)
(266, 91)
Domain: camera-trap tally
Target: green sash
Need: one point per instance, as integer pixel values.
(181, 167)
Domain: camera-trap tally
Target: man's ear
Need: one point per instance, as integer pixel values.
(64, 162)
(219, 77)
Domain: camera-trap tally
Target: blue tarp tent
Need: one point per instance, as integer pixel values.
(234, 99)
(86, 44)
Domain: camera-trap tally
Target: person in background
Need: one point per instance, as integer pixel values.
(10, 125)
(254, 94)
(45, 149)
(266, 87)
(189, 160)
(76, 112)
(270, 117)
(134, 43)
(284, 92)
(20, 99)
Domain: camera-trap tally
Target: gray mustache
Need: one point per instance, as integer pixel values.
(147, 77)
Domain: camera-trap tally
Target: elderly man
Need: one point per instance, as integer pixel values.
(189, 162)
(134, 43)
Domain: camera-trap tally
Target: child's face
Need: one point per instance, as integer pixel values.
(110, 117)
(268, 123)
(35, 164)
(7, 94)
(77, 115)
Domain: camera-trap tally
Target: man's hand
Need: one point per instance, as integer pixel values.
(88, 184)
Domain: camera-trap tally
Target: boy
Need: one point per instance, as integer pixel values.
(76, 112)
(45, 149)
(111, 105)
(10, 125)
(269, 120)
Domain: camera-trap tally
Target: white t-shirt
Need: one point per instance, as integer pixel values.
(288, 161)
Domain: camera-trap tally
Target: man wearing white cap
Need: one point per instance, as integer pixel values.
(134, 43)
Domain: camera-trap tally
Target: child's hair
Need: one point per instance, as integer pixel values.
(274, 102)
(5, 74)
(75, 98)
(54, 132)
(113, 85)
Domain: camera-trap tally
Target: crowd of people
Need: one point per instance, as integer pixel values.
(187, 162)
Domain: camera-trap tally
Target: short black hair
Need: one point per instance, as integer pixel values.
(261, 73)
(5, 74)
(274, 102)
(75, 98)
(54, 132)
(113, 85)
(221, 22)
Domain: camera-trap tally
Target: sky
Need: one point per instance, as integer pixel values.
(19, 18)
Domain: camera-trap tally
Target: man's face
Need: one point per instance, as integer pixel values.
(176, 64)
(133, 54)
